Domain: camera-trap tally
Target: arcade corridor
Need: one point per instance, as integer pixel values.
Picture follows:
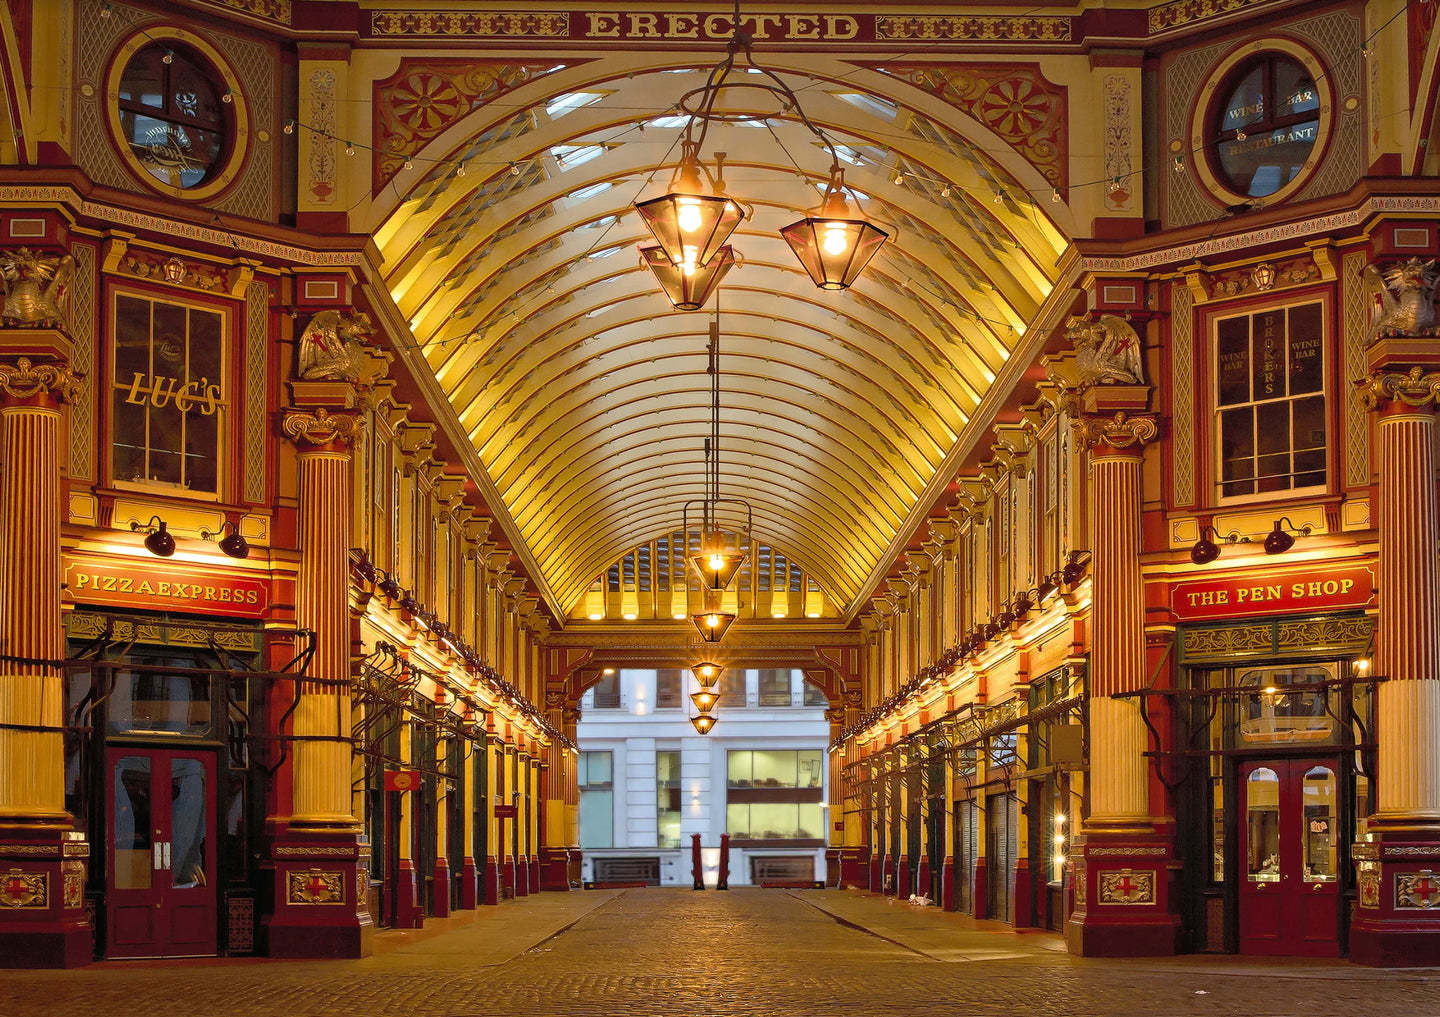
(674, 952)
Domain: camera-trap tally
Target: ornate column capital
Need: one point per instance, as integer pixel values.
(311, 430)
(1120, 433)
(26, 382)
(1384, 390)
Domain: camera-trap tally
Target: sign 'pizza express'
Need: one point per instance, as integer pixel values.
(1287, 592)
(176, 588)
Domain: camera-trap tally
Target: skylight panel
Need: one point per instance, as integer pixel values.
(870, 104)
(570, 156)
(668, 122)
(590, 192)
(569, 102)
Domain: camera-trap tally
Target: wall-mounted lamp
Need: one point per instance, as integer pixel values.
(1205, 550)
(389, 586)
(157, 539)
(233, 545)
(1279, 540)
(1075, 563)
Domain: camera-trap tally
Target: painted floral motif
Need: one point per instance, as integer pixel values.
(423, 98)
(1013, 100)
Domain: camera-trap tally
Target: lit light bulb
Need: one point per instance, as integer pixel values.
(717, 562)
(689, 218)
(687, 262)
(712, 620)
(836, 239)
(707, 671)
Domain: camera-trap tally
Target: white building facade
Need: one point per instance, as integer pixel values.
(649, 782)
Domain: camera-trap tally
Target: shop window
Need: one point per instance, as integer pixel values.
(597, 800)
(1267, 122)
(168, 394)
(1270, 401)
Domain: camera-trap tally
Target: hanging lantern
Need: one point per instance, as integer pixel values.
(703, 723)
(718, 567)
(705, 700)
(706, 673)
(690, 225)
(833, 248)
(713, 624)
(688, 286)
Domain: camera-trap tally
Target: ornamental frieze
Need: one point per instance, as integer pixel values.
(1015, 101)
(424, 97)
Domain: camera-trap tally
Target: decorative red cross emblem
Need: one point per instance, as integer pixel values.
(1425, 887)
(16, 887)
(317, 886)
(1125, 886)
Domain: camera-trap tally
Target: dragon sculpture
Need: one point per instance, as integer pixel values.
(1107, 351)
(36, 288)
(1406, 304)
(327, 343)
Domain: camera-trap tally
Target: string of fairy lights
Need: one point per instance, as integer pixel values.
(1010, 191)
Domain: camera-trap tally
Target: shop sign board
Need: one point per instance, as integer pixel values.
(157, 586)
(1278, 591)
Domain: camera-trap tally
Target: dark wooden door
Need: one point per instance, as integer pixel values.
(161, 899)
(1289, 894)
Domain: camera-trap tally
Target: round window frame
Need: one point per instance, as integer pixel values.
(237, 145)
(1204, 115)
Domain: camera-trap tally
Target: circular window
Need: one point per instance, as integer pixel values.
(1262, 119)
(177, 114)
(1267, 122)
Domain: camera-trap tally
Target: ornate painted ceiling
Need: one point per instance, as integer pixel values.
(513, 254)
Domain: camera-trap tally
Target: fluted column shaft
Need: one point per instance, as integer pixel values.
(1407, 646)
(321, 769)
(32, 762)
(1119, 785)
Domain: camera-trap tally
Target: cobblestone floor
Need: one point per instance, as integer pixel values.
(748, 952)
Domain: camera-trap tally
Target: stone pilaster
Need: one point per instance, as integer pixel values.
(1123, 900)
(320, 836)
(42, 855)
(1397, 921)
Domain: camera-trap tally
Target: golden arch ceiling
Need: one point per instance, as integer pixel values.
(513, 255)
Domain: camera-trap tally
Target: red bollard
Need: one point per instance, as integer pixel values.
(696, 865)
(722, 881)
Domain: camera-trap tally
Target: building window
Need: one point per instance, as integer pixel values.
(1270, 399)
(768, 821)
(178, 115)
(597, 800)
(607, 692)
(1267, 120)
(168, 394)
(732, 688)
(667, 799)
(802, 768)
(815, 696)
(667, 689)
(774, 687)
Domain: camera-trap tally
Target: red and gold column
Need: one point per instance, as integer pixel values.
(1122, 879)
(1397, 858)
(318, 906)
(42, 855)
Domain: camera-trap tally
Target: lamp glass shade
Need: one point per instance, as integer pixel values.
(703, 723)
(713, 624)
(235, 545)
(705, 700)
(688, 287)
(690, 227)
(717, 568)
(1277, 541)
(833, 251)
(1205, 551)
(706, 673)
(160, 543)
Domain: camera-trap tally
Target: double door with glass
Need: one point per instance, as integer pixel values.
(161, 898)
(1289, 894)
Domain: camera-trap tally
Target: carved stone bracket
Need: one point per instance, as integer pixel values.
(23, 380)
(1120, 432)
(1415, 389)
(320, 427)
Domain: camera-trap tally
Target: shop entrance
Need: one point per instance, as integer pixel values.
(161, 894)
(1289, 893)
